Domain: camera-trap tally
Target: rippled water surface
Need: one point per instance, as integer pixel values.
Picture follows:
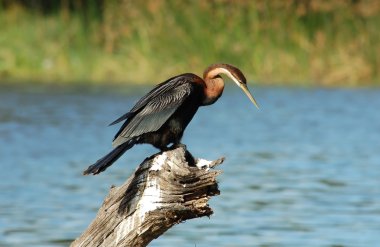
(302, 171)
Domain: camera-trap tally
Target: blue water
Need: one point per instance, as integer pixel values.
(304, 170)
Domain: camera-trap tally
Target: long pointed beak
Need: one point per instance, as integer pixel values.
(246, 91)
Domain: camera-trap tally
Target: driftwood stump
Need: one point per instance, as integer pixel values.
(166, 189)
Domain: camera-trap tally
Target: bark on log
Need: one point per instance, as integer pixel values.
(166, 189)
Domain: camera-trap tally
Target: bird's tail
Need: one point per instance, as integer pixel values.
(102, 164)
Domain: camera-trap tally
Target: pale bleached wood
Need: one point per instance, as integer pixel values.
(166, 189)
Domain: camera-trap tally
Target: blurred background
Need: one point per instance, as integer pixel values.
(305, 42)
(304, 170)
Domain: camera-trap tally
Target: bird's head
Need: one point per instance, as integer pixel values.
(233, 73)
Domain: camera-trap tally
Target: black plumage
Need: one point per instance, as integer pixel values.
(161, 116)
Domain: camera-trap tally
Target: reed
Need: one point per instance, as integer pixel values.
(285, 42)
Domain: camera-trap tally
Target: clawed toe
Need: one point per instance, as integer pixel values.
(178, 145)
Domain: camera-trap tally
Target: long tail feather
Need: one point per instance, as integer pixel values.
(125, 116)
(103, 163)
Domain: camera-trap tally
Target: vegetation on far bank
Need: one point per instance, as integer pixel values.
(288, 42)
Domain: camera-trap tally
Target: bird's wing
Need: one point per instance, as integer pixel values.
(124, 117)
(155, 108)
(158, 90)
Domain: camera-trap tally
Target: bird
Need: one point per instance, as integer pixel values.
(160, 117)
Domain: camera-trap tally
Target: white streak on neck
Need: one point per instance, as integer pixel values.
(219, 70)
(231, 76)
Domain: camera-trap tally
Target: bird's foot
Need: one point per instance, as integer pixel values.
(178, 145)
(164, 149)
(188, 156)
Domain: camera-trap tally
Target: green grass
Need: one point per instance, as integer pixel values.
(273, 42)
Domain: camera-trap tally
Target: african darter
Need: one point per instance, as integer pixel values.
(161, 116)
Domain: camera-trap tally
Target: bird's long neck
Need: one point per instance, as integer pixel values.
(214, 86)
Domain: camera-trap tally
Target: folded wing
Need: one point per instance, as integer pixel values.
(154, 109)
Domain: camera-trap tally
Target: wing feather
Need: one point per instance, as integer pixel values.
(163, 88)
(124, 117)
(155, 108)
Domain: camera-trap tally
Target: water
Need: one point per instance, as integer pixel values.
(302, 171)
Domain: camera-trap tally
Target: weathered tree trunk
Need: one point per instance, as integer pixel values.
(165, 189)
